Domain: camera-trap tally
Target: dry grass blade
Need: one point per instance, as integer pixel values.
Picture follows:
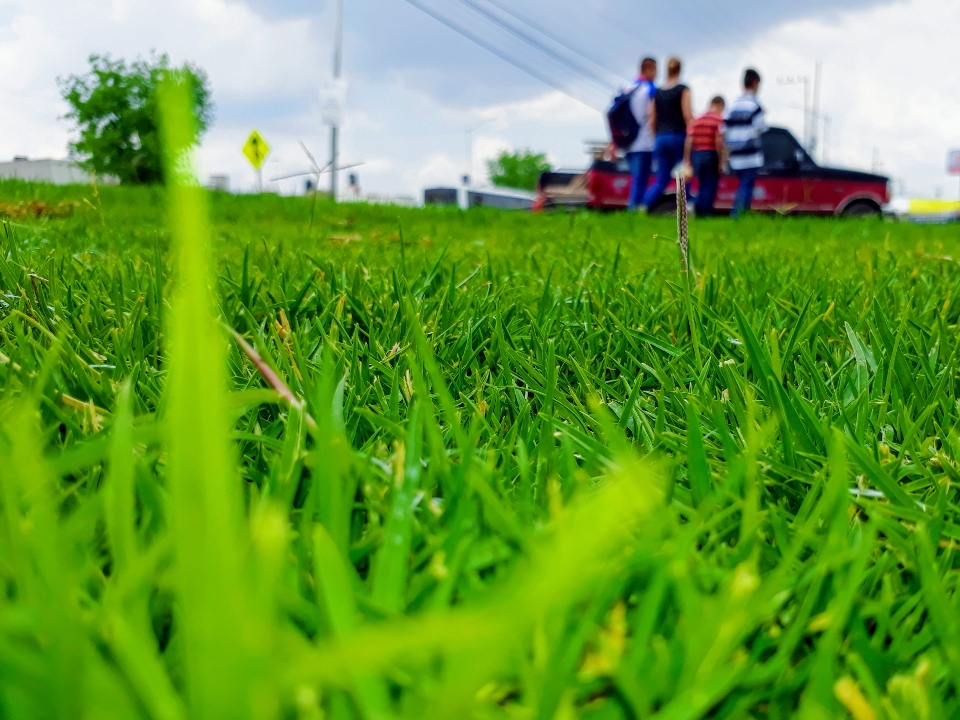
(682, 225)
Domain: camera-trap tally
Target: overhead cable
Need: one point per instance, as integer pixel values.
(506, 57)
(586, 73)
(504, 7)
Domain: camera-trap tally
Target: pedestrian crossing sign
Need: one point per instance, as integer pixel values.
(256, 149)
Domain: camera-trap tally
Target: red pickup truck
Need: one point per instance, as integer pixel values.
(789, 182)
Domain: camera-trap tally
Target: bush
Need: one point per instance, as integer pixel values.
(518, 170)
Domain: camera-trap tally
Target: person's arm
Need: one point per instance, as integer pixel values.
(652, 116)
(687, 147)
(760, 122)
(686, 106)
(721, 152)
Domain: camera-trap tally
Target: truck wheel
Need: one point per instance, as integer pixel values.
(861, 209)
(667, 205)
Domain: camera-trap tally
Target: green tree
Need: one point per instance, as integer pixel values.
(518, 170)
(114, 107)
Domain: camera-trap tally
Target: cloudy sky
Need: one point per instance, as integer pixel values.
(890, 76)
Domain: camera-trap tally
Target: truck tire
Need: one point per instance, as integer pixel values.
(667, 205)
(861, 209)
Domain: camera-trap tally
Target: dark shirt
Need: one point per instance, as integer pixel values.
(670, 119)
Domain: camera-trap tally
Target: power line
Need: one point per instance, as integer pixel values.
(530, 40)
(615, 26)
(506, 57)
(584, 73)
(552, 36)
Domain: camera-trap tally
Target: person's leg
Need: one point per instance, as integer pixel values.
(636, 189)
(697, 159)
(669, 150)
(665, 164)
(707, 167)
(738, 200)
(676, 145)
(748, 179)
(646, 163)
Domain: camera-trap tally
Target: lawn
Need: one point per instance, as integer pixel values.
(367, 462)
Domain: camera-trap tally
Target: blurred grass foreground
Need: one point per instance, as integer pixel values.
(372, 463)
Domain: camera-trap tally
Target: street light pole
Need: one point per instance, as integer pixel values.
(335, 127)
(815, 110)
(805, 81)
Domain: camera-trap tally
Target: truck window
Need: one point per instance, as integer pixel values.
(779, 150)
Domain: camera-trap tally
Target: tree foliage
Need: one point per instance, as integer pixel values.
(518, 170)
(114, 107)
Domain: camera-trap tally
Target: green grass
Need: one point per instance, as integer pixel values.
(525, 472)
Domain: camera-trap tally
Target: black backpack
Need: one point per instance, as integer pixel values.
(624, 127)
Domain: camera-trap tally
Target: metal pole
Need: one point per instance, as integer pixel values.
(469, 148)
(335, 129)
(806, 105)
(816, 108)
(825, 152)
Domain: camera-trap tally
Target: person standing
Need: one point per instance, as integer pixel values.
(640, 155)
(703, 153)
(743, 128)
(670, 113)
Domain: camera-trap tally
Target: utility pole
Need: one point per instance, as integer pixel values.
(335, 126)
(825, 151)
(805, 81)
(815, 110)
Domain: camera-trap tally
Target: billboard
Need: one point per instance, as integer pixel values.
(953, 162)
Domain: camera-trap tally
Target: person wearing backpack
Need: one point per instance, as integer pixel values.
(670, 114)
(639, 155)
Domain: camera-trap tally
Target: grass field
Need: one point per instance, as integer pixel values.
(510, 466)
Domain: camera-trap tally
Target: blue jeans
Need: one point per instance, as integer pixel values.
(706, 166)
(748, 178)
(669, 152)
(640, 163)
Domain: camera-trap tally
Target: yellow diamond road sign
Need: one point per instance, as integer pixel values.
(256, 149)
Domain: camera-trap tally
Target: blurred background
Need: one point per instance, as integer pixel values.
(436, 88)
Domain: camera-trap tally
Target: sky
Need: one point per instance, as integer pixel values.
(426, 105)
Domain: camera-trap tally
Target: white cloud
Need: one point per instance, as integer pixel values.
(437, 170)
(551, 108)
(486, 148)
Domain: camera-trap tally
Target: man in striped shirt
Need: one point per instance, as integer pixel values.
(742, 130)
(702, 153)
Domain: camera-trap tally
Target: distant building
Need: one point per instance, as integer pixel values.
(219, 182)
(58, 172)
(399, 200)
(440, 196)
(501, 198)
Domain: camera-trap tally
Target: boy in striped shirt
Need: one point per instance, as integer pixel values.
(743, 129)
(702, 153)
